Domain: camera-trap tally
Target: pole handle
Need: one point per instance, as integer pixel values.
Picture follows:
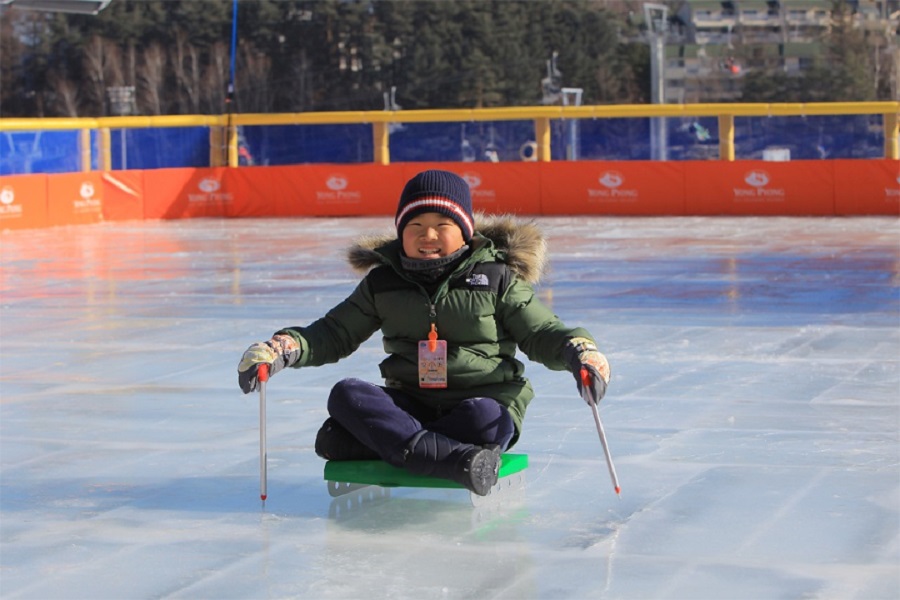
(585, 377)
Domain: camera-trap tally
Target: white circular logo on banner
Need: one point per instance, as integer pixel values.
(87, 190)
(472, 179)
(757, 178)
(611, 179)
(208, 185)
(336, 182)
(7, 195)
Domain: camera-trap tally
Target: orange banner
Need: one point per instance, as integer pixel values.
(123, 195)
(186, 193)
(315, 190)
(23, 201)
(611, 188)
(350, 190)
(867, 187)
(264, 191)
(755, 187)
(512, 187)
(825, 187)
(74, 199)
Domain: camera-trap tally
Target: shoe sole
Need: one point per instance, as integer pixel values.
(484, 471)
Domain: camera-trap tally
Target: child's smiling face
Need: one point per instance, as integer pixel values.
(431, 235)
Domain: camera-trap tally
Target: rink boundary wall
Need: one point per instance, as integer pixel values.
(225, 145)
(758, 188)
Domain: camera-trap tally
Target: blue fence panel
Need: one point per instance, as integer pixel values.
(630, 139)
(24, 152)
(159, 148)
(423, 142)
(814, 137)
(689, 138)
(466, 142)
(602, 139)
(694, 138)
(305, 144)
(804, 138)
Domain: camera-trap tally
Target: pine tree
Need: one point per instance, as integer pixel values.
(848, 74)
(315, 55)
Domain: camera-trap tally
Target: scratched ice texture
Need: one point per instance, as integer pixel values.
(753, 418)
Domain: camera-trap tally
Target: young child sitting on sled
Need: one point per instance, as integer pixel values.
(453, 300)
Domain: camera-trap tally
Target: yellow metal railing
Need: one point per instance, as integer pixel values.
(223, 128)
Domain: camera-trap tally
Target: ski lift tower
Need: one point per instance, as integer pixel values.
(656, 18)
(122, 103)
(572, 97)
(554, 93)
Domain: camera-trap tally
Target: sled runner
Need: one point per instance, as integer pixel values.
(344, 477)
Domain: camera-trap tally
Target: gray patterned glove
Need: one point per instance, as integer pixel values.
(582, 356)
(279, 352)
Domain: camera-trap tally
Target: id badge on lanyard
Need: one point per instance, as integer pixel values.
(432, 361)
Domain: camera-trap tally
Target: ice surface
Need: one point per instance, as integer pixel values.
(753, 415)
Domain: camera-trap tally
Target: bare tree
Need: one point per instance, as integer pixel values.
(186, 65)
(885, 62)
(151, 80)
(103, 66)
(65, 95)
(95, 73)
(256, 75)
(215, 78)
(130, 63)
(300, 85)
(112, 65)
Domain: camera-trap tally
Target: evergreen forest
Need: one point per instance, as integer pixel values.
(175, 57)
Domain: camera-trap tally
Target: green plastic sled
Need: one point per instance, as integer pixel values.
(375, 472)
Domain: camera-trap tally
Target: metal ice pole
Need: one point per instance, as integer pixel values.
(585, 384)
(656, 19)
(263, 375)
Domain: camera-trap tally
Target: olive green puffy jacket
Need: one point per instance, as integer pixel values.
(484, 309)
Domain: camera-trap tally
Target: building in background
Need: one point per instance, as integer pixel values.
(712, 44)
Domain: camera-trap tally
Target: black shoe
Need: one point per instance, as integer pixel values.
(473, 467)
(333, 442)
(480, 469)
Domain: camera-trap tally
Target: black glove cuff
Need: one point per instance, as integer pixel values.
(573, 349)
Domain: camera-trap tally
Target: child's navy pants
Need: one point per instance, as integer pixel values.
(385, 419)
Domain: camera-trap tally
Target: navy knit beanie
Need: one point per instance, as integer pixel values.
(439, 192)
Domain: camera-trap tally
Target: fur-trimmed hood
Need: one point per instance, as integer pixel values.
(521, 244)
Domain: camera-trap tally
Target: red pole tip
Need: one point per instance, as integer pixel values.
(618, 491)
(263, 497)
(263, 372)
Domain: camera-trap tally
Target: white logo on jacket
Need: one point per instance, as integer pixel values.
(478, 279)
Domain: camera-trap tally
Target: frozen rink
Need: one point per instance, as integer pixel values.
(753, 417)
